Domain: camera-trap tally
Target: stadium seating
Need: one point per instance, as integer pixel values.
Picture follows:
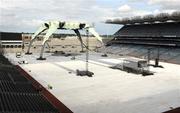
(136, 39)
(166, 54)
(162, 34)
(17, 94)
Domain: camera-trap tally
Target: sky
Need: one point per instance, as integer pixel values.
(27, 15)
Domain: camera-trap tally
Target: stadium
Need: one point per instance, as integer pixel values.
(158, 33)
(136, 70)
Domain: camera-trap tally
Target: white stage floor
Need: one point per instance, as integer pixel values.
(109, 90)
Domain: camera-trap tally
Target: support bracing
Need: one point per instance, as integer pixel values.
(52, 26)
(86, 72)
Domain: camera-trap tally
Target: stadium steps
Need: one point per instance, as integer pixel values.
(8, 86)
(16, 102)
(17, 94)
(171, 55)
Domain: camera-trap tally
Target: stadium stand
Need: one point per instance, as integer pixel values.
(159, 32)
(17, 94)
(163, 34)
(11, 40)
(166, 54)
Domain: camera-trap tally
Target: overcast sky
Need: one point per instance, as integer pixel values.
(27, 15)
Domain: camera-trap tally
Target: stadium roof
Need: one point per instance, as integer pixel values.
(159, 18)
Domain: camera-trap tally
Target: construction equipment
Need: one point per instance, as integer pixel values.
(134, 65)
